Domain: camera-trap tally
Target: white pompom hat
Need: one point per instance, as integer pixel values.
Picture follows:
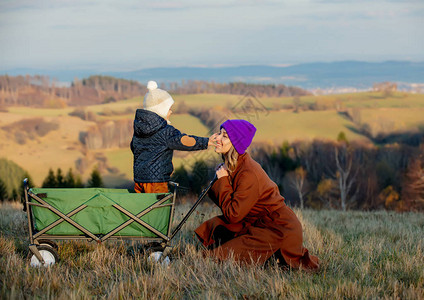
(157, 100)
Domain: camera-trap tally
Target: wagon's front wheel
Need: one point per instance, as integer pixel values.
(49, 255)
(144, 249)
(48, 243)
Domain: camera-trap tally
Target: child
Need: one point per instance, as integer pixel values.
(155, 140)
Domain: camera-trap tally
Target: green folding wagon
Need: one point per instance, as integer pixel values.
(98, 214)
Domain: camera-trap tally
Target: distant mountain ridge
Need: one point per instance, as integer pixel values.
(324, 75)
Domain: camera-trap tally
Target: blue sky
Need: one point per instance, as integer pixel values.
(128, 34)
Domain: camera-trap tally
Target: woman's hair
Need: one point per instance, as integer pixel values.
(230, 159)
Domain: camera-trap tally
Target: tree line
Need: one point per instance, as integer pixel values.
(335, 174)
(71, 180)
(235, 88)
(321, 174)
(41, 91)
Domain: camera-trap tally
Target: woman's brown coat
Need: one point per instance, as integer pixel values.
(255, 223)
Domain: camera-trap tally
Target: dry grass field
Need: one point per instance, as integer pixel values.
(57, 149)
(364, 255)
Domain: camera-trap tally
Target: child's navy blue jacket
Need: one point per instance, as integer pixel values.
(153, 144)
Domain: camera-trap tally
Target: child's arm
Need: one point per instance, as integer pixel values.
(180, 141)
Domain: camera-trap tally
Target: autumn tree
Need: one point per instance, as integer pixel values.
(413, 184)
(391, 199)
(341, 137)
(298, 182)
(325, 194)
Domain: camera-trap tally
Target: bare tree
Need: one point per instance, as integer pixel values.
(345, 175)
(297, 180)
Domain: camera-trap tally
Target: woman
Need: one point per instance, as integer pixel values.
(256, 223)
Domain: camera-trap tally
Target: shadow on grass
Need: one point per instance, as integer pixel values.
(410, 138)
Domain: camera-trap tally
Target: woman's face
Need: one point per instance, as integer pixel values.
(223, 143)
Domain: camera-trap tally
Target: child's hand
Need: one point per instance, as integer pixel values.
(212, 139)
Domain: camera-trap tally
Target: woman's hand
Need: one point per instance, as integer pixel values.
(212, 139)
(221, 171)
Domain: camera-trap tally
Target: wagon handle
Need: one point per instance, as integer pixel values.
(202, 195)
(25, 203)
(176, 186)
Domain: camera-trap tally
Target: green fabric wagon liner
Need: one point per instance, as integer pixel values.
(99, 217)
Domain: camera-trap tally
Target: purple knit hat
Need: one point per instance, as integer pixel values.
(240, 133)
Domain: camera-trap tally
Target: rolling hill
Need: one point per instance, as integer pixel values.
(323, 75)
(318, 117)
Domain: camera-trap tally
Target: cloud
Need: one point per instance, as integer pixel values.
(7, 6)
(187, 32)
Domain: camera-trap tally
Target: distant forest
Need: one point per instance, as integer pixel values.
(236, 88)
(40, 91)
(334, 174)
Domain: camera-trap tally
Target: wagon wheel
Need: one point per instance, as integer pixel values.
(151, 247)
(159, 257)
(48, 253)
(49, 243)
(145, 249)
(155, 252)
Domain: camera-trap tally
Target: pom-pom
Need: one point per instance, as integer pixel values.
(152, 85)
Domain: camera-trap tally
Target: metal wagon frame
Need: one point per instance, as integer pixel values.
(43, 251)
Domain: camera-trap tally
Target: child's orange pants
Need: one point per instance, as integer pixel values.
(151, 187)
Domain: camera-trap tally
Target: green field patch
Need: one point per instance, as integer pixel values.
(232, 101)
(189, 124)
(377, 99)
(122, 159)
(361, 99)
(39, 112)
(120, 106)
(115, 117)
(393, 119)
(206, 100)
(277, 127)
